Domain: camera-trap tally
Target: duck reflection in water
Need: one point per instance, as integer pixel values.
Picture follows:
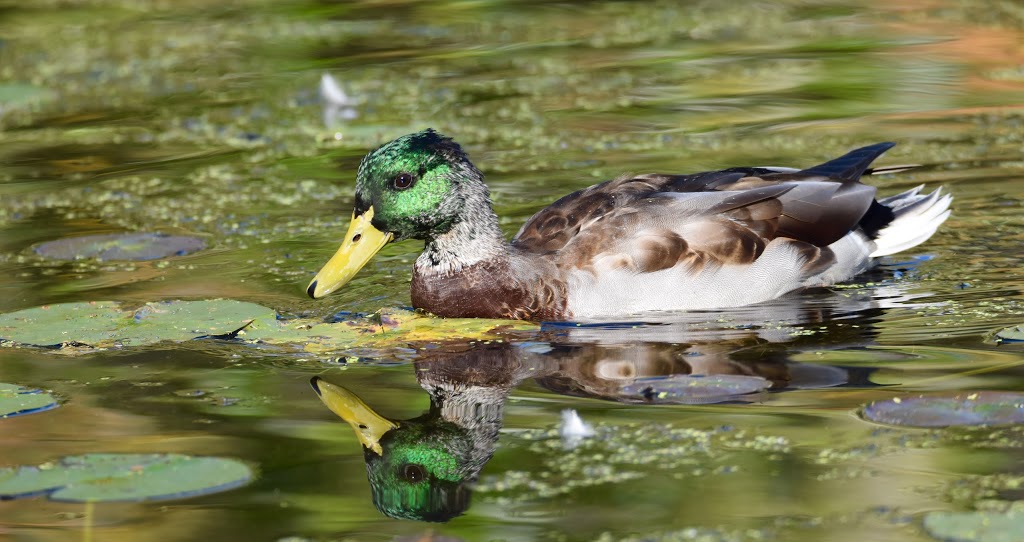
(424, 468)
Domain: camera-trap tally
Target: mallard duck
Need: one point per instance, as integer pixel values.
(423, 468)
(418, 469)
(631, 245)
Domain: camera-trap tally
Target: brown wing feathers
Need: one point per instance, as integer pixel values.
(725, 216)
(554, 226)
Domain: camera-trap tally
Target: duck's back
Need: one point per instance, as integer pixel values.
(714, 239)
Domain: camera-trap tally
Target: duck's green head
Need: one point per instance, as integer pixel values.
(417, 468)
(410, 188)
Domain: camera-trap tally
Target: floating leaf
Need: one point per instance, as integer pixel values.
(106, 324)
(1012, 334)
(17, 400)
(120, 246)
(18, 94)
(692, 389)
(124, 477)
(979, 408)
(49, 325)
(185, 320)
(806, 376)
(975, 526)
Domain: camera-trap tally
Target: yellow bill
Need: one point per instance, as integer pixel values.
(361, 243)
(368, 425)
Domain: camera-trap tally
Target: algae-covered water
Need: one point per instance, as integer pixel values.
(204, 123)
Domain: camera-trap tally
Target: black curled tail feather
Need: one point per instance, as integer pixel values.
(850, 166)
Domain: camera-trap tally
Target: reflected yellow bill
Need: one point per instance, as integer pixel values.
(368, 425)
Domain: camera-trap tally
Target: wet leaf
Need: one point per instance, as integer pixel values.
(89, 323)
(120, 246)
(1012, 334)
(975, 526)
(17, 94)
(106, 324)
(692, 389)
(186, 320)
(18, 400)
(808, 376)
(978, 408)
(388, 327)
(124, 477)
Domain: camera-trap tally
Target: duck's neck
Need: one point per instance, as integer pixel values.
(474, 237)
(479, 411)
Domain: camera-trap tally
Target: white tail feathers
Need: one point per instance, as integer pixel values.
(917, 218)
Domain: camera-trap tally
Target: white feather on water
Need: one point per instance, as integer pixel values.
(338, 106)
(573, 429)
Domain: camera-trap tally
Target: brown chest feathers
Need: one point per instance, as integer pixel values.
(489, 289)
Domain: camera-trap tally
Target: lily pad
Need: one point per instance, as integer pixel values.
(1012, 334)
(692, 389)
(18, 400)
(106, 324)
(809, 376)
(975, 526)
(124, 477)
(52, 325)
(120, 246)
(19, 94)
(186, 320)
(979, 408)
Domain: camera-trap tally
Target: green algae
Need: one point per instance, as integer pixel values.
(621, 453)
(547, 99)
(285, 125)
(245, 161)
(697, 534)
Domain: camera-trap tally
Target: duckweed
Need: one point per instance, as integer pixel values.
(620, 453)
(202, 118)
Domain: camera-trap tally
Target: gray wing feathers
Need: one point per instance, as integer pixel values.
(822, 212)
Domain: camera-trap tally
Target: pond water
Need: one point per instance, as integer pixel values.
(203, 120)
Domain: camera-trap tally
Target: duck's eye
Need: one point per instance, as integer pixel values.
(402, 181)
(412, 472)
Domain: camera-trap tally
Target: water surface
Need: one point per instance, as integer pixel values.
(188, 118)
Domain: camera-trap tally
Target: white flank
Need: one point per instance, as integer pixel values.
(610, 289)
(615, 291)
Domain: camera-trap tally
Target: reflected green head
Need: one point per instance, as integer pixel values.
(421, 474)
(412, 185)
